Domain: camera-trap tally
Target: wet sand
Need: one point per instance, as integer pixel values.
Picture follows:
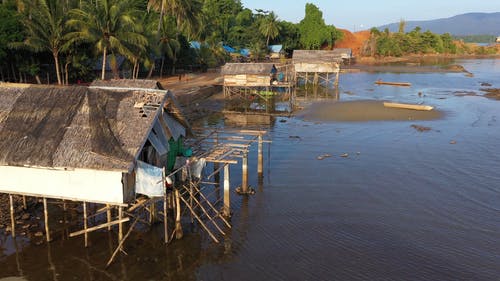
(365, 110)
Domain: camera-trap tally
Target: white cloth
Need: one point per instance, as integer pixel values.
(149, 180)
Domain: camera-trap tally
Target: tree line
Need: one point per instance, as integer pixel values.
(67, 41)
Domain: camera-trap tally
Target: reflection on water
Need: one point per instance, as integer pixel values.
(400, 205)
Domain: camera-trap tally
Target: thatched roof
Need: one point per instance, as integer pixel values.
(316, 56)
(76, 127)
(128, 83)
(247, 68)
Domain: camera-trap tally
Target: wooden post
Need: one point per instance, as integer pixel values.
(178, 226)
(46, 213)
(165, 209)
(108, 215)
(120, 225)
(244, 173)
(25, 206)
(12, 218)
(226, 211)
(85, 225)
(260, 157)
(337, 79)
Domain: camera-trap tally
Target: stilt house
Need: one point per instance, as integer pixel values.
(85, 143)
(315, 65)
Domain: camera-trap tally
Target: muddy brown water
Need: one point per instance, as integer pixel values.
(403, 204)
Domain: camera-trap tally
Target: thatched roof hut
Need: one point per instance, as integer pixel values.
(80, 143)
(316, 61)
(247, 74)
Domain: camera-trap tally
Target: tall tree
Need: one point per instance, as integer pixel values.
(314, 33)
(45, 29)
(269, 27)
(110, 25)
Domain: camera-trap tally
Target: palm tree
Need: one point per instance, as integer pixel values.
(269, 27)
(45, 29)
(167, 43)
(111, 25)
(184, 11)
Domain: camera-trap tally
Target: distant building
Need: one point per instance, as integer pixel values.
(498, 39)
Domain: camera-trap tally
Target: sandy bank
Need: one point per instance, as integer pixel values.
(359, 111)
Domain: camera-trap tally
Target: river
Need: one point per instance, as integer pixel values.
(401, 204)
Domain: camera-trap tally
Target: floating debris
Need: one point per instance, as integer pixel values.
(421, 128)
(345, 155)
(294, 137)
(453, 142)
(323, 156)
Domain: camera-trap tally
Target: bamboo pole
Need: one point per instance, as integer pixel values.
(165, 209)
(259, 157)
(213, 208)
(108, 215)
(85, 226)
(212, 219)
(178, 226)
(120, 225)
(25, 205)
(244, 173)
(120, 245)
(97, 227)
(200, 221)
(226, 211)
(12, 219)
(46, 214)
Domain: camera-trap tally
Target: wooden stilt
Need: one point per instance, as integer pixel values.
(120, 244)
(25, 205)
(85, 226)
(12, 218)
(259, 157)
(178, 226)
(120, 225)
(244, 173)
(46, 213)
(108, 215)
(165, 209)
(226, 211)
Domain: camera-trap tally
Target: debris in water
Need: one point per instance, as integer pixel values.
(294, 137)
(453, 142)
(345, 155)
(323, 156)
(421, 128)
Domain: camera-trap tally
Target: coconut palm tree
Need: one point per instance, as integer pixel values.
(269, 27)
(111, 25)
(186, 13)
(45, 29)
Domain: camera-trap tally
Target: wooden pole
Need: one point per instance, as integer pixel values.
(120, 244)
(25, 205)
(46, 213)
(244, 173)
(120, 225)
(108, 215)
(85, 226)
(259, 157)
(12, 219)
(226, 211)
(178, 226)
(165, 209)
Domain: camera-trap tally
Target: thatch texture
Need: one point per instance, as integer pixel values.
(316, 56)
(128, 83)
(75, 127)
(247, 68)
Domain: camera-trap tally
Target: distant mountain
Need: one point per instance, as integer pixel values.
(465, 24)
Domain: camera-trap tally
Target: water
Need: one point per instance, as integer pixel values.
(404, 205)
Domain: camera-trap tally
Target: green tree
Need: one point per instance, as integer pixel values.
(110, 25)
(45, 30)
(269, 27)
(314, 33)
(10, 32)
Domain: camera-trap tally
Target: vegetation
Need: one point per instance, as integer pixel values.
(76, 40)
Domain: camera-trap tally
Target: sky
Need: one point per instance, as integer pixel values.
(356, 15)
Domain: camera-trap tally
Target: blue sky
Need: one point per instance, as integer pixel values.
(356, 15)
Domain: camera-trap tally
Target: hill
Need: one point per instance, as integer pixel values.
(465, 24)
(353, 41)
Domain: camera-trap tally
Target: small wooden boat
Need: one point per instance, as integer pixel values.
(402, 84)
(408, 106)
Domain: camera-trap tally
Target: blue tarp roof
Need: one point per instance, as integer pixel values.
(275, 48)
(229, 49)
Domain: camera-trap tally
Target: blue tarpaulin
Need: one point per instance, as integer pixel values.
(229, 49)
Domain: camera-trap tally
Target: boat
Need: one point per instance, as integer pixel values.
(403, 84)
(408, 106)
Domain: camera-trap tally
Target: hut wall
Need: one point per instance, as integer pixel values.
(249, 80)
(317, 67)
(78, 185)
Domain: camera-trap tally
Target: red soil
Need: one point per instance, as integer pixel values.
(353, 41)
